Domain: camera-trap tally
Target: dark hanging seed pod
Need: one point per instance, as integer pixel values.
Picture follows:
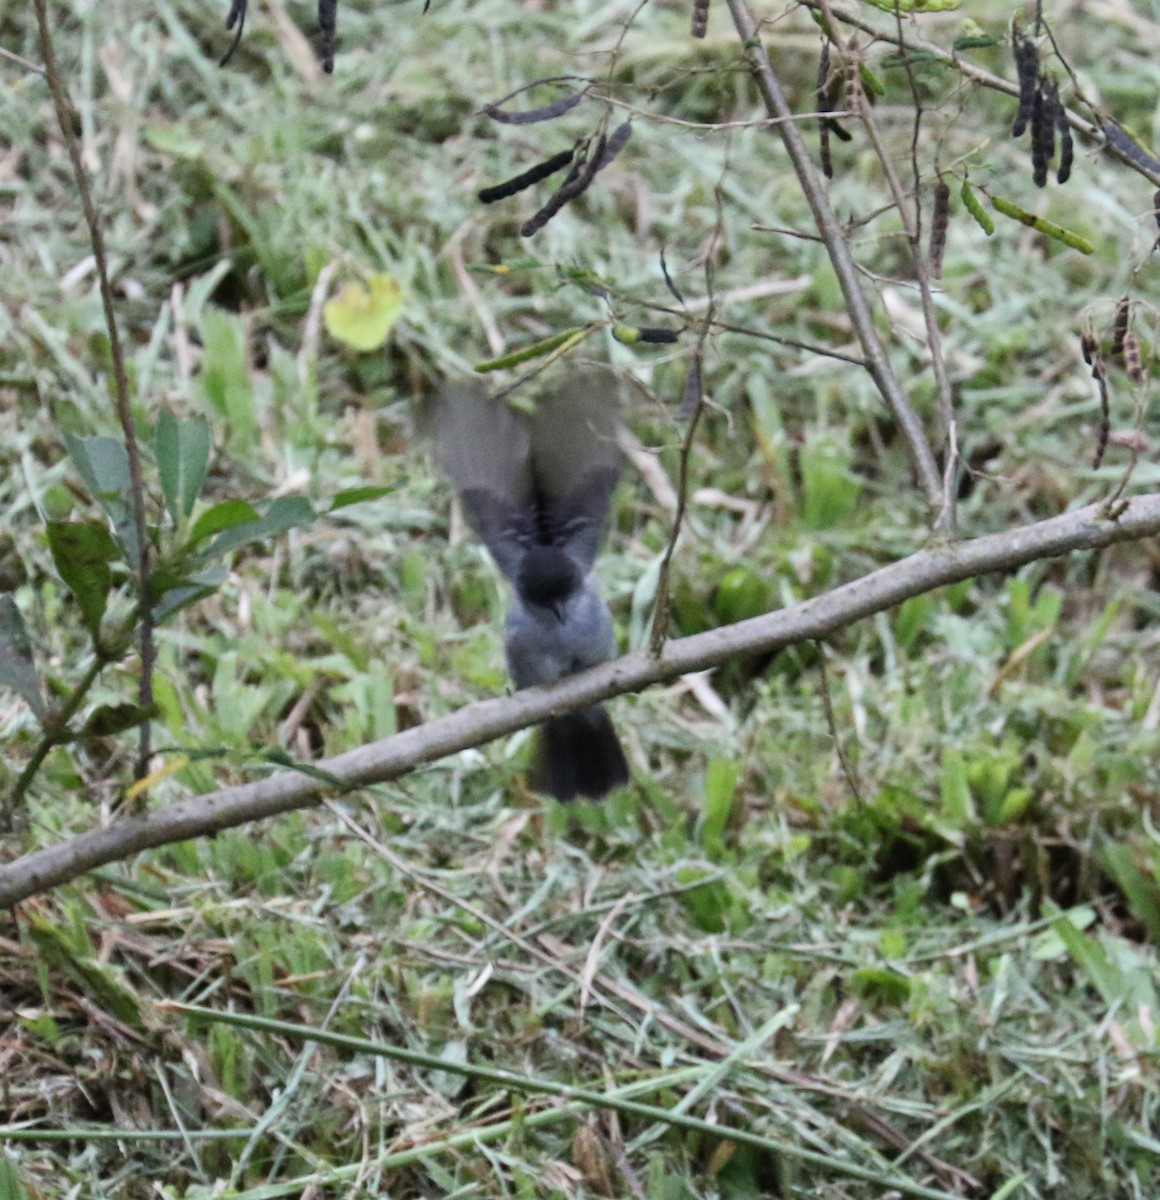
(236, 16)
(1129, 148)
(1066, 143)
(615, 144)
(939, 219)
(700, 18)
(1042, 131)
(328, 23)
(1105, 419)
(1120, 324)
(826, 158)
(669, 280)
(579, 178)
(1027, 70)
(541, 171)
(842, 134)
(822, 92)
(1094, 359)
(1132, 362)
(855, 95)
(530, 116)
(654, 336)
(694, 394)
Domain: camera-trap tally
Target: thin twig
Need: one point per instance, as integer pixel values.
(65, 115)
(660, 624)
(913, 232)
(878, 363)
(832, 723)
(1088, 528)
(56, 732)
(694, 390)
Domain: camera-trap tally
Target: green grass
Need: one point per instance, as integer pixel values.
(950, 976)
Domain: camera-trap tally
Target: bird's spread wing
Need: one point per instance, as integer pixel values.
(575, 465)
(485, 449)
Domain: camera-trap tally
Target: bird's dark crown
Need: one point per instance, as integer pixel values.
(547, 576)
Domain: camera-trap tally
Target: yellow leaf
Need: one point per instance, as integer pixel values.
(142, 785)
(361, 315)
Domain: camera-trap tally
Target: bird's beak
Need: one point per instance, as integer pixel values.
(558, 611)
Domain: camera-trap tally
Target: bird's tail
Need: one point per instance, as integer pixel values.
(579, 754)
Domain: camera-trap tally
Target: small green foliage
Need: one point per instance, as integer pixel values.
(11, 1185)
(363, 314)
(228, 514)
(83, 552)
(17, 665)
(66, 946)
(721, 777)
(870, 81)
(831, 492)
(957, 806)
(741, 594)
(226, 381)
(182, 449)
(108, 719)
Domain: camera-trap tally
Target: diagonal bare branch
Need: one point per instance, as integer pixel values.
(1089, 528)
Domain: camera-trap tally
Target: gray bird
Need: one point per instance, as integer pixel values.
(536, 490)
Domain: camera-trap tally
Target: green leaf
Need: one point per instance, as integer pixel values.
(359, 495)
(225, 373)
(1087, 953)
(176, 140)
(831, 489)
(188, 590)
(200, 289)
(17, 666)
(881, 984)
(1139, 888)
(103, 463)
(361, 316)
(108, 719)
(741, 594)
(182, 449)
(720, 787)
(225, 515)
(82, 551)
(11, 1185)
(283, 514)
(957, 807)
(99, 981)
(708, 903)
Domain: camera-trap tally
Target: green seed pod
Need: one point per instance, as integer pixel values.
(974, 206)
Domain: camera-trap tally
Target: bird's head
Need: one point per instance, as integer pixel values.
(547, 577)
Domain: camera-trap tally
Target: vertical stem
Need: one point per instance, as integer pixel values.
(56, 732)
(911, 229)
(65, 115)
(857, 306)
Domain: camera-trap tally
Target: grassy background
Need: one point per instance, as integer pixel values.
(952, 971)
